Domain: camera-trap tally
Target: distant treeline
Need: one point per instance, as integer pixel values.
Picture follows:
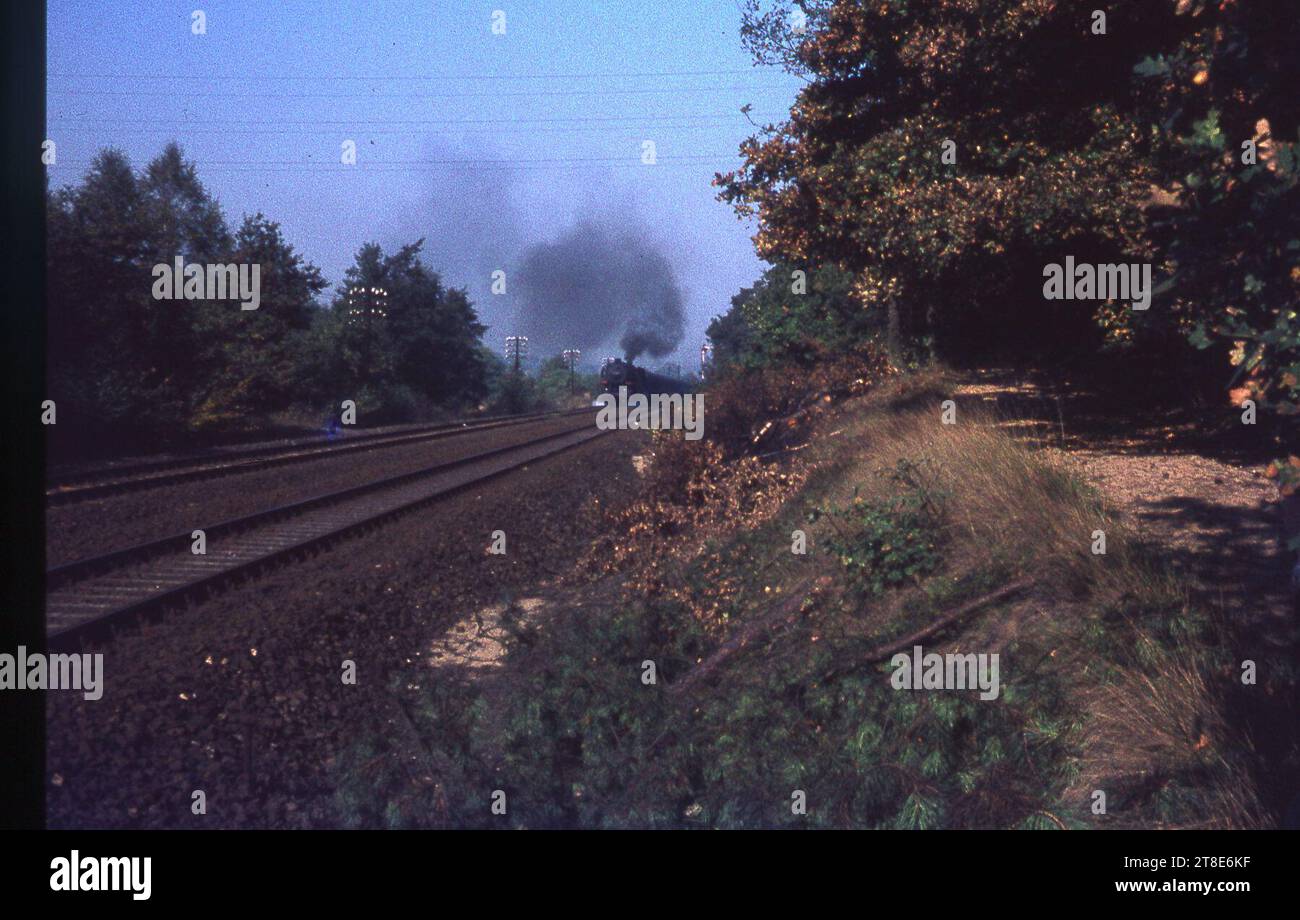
(128, 370)
(942, 155)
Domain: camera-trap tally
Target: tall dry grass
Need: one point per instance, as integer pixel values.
(1138, 660)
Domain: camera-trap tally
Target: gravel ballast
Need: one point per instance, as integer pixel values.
(242, 696)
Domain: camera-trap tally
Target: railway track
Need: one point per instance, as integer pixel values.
(150, 474)
(91, 597)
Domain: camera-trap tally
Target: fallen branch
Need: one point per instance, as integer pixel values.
(789, 611)
(1055, 820)
(785, 614)
(793, 420)
(894, 646)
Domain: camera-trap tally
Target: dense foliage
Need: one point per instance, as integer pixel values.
(794, 316)
(1226, 121)
(943, 153)
(412, 346)
(582, 742)
(154, 371)
(889, 542)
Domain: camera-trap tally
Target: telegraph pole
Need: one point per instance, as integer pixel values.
(571, 356)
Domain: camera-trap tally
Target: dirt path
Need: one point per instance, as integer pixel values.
(1214, 512)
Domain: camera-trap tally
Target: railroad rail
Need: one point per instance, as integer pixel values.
(91, 597)
(114, 480)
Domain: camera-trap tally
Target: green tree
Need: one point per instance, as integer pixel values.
(262, 348)
(553, 380)
(1046, 157)
(181, 342)
(96, 290)
(119, 359)
(792, 314)
(433, 332)
(396, 338)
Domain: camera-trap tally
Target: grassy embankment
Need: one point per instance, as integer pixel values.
(772, 669)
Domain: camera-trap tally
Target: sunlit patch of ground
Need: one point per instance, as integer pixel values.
(479, 640)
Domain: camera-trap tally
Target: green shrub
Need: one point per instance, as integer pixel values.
(574, 737)
(887, 543)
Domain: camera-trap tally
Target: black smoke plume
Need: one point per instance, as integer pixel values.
(595, 283)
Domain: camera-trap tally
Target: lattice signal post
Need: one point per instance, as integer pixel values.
(516, 348)
(366, 304)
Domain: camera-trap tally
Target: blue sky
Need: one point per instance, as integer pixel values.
(481, 143)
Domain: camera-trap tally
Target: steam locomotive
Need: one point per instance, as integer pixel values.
(617, 373)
